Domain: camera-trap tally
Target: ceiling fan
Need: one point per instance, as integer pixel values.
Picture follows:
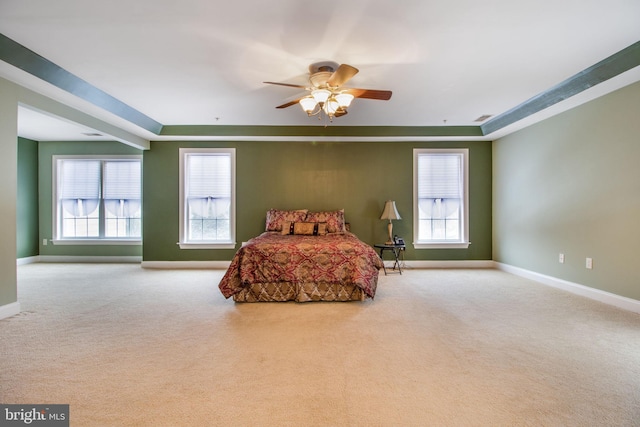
(326, 93)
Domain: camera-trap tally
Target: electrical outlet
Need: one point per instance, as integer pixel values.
(44, 242)
(561, 258)
(589, 263)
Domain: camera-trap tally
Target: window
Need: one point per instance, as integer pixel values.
(207, 198)
(440, 198)
(97, 200)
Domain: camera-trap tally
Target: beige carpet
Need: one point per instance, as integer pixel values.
(126, 346)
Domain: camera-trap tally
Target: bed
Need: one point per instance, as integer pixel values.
(303, 256)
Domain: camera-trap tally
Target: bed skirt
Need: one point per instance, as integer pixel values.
(299, 292)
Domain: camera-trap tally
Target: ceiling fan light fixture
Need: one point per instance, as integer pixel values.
(344, 99)
(331, 107)
(321, 95)
(326, 97)
(308, 104)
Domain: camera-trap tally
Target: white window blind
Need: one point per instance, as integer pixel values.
(80, 179)
(122, 180)
(439, 176)
(209, 176)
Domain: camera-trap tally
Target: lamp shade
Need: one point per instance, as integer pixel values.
(390, 212)
(344, 99)
(321, 95)
(308, 104)
(331, 106)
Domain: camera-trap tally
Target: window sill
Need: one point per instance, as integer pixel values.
(118, 242)
(441, 245)
(223, 245)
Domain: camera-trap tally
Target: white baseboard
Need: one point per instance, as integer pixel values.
(575, 288)
(28, 260)
(448, 264)
(9, 310)
(90, 259)
(182, 265)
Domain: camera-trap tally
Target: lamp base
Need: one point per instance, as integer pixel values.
(390, 230)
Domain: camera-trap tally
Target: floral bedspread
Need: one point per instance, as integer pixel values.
(332, 258)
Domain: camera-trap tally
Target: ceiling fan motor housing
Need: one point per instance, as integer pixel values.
(320, 72)
(328, 66)
(319, 79)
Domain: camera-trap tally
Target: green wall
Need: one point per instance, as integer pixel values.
(46, 151)
(27, 201)
(355, 176)
(571, 184)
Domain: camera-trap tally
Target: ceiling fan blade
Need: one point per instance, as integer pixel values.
(290, 103)
(285, 84)
(383, 95)
(341, 112)
(292, 100)
(342, 75)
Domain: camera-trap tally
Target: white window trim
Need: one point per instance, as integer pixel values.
(464, 242)
(56, 240)
(231, 244)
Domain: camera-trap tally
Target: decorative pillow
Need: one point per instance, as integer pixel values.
(334, 220)
(305, 228)
(276, 217)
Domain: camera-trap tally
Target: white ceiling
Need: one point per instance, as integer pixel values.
(203, 62)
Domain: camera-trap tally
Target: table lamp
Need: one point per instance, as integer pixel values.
(390, 212)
